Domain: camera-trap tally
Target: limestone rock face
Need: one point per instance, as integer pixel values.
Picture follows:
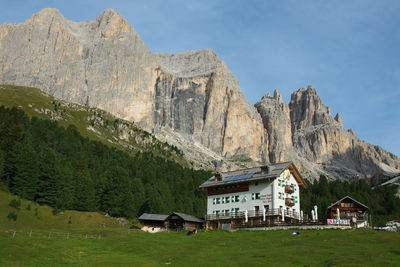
(188, 99)
(276, 119)
(100, 63)
(197, 95)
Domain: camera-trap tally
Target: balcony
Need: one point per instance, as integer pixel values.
(289, 189)
(289, 202)
(252, 214)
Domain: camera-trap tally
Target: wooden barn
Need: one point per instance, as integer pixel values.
(153, 222)
(348, 211)
(180, 221)
(174, 222)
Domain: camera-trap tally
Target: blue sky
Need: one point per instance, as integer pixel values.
(347, 49)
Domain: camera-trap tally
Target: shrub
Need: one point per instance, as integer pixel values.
(12, 215)
(15, 203)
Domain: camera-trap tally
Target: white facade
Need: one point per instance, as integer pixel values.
(264, 194)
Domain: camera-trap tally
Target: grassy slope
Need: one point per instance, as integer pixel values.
(93, 123)
(242, 248)
(49, 245)
(44, 219)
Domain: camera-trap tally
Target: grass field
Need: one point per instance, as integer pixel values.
(40, 238)
(215, 248)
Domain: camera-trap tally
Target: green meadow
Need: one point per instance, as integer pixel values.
(39, 238)
(214, 248)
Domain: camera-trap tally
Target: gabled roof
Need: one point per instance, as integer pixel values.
(255, 174)
(153, 217)
(340, 200)
(188, 218)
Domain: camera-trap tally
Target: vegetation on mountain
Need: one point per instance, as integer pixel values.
(52, 165)
(94, 123)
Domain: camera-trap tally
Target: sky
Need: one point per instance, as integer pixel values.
(348, 50)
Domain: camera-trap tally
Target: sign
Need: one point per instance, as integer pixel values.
(266, 198)
(338, 222)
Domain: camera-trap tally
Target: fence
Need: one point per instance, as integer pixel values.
(66, 235)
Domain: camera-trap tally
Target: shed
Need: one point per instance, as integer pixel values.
(180, 221)
(153, 222)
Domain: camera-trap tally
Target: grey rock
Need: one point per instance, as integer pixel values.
(188, 99)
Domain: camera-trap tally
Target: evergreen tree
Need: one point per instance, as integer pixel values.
(25, 182)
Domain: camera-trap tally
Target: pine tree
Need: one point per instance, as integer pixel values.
(26, 181)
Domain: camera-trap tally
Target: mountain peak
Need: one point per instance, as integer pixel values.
(46, 14)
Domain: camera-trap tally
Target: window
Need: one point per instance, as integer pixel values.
(218, 200)
(256, 183)
(226, 212)
(237, 198)
(226, 199)
(236, 210)
(217, 212)
(255, 196)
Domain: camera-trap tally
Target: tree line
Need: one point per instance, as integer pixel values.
(381, 200)
(56, 166)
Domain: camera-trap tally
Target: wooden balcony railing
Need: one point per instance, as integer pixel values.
(289, 189)
(289, 202)
(251, 214)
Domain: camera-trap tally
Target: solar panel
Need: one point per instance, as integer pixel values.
(239, 177)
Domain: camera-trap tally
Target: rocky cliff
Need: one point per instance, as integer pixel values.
(189, 99)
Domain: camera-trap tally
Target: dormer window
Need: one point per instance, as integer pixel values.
(218, 177)
(264, 170)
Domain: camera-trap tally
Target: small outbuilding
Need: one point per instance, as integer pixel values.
(174, 222)
(348, 211)
(153, 222)
(180, 221)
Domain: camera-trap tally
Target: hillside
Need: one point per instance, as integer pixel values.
(93, 123)
(31, 215)
(190, 100)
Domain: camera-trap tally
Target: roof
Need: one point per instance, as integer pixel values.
(188, 218)
(255, 174)
(340, 200)
(153, 217)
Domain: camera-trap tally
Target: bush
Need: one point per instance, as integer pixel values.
(28, 207)
(12, 215)
(69, 220)
(15, 203)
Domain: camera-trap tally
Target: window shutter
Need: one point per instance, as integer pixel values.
(214, 201)
(252, 196)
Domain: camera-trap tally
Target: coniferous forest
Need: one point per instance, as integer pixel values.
(56, 166)
(381, 200)
(46, 163)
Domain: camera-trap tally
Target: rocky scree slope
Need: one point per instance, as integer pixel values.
(189, 99)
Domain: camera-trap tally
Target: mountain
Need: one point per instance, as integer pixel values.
(190, 99)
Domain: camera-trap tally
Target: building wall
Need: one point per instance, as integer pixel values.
(269, 195)
(279, 194)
